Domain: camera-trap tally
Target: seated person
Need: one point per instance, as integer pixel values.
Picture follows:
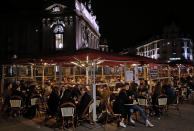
(157, 90)
(17, 92)
(104, 95)
(84, 100)
(53, 102)
(32, 93)
(7, 96)
(67, 97)
(129, 99)
(119, 84)
(169, 91)
(75, 92)
(142, 90)
(120, 108)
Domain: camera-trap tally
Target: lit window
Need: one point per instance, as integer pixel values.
(59, 41)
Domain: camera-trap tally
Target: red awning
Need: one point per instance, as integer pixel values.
(110, 59)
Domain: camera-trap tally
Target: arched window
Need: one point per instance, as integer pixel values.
(58, 30)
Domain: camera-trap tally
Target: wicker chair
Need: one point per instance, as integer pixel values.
(68, 109)
(16, 103)
(162, 103)
(86, 113)
(145, 104)
(35, 102)
(111, 114)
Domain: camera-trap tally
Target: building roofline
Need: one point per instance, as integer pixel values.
(184, 38)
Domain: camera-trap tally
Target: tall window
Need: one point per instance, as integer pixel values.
(58, 30)
(59, 41)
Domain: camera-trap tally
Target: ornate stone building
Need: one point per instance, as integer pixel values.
(47, 27)
(69, 25)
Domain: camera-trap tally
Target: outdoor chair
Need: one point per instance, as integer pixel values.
(145, 104)
(162, 103)
(98, 109)
(184, 93)
(34, 103)
(86, 114)
(16, 103)
(48, 114)
(98, 100)
(67, 111)
(98, 103)
(43, 107)
(111, 115)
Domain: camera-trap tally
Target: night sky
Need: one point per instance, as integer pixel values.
(125, 24)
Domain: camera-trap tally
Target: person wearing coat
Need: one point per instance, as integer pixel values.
(53, 102)
(119, 105)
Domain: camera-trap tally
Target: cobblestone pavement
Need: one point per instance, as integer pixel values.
(171, 122)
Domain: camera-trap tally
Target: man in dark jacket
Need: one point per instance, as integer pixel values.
(85, 98)
(53, 102)
(119, 104)
(67, 97)
(7, 95)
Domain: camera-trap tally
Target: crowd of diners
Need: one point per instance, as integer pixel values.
(80, 95)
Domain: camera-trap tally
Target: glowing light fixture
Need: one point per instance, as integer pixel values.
(87, 62)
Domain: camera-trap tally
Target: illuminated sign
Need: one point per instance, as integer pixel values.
(175, 58)
(154, 72)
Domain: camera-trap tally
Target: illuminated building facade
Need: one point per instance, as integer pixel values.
(47, 27)
(69, 25)
(171, 46)
(168, 49)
